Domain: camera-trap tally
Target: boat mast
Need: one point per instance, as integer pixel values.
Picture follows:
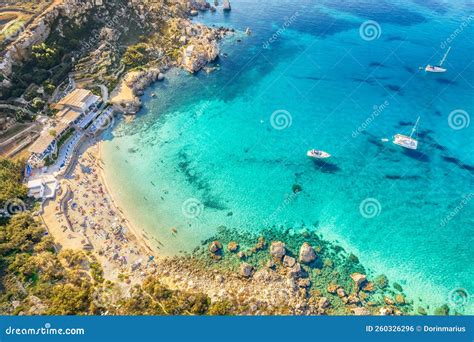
(414, 127)
(444, 57)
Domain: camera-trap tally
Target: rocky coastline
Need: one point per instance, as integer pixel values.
(198, 45)
(291, 272)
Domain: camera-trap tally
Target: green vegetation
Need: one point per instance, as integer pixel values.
(44, 56)
(135, 55)
(36, 279)
(11, 181)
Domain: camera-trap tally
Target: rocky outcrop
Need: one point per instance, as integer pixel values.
(226, 5)
(289, 261)
(277, 249)
(125, 98)
(307, 253)
(358, 279)
(215, 246)
(199, 43)
(246, 269)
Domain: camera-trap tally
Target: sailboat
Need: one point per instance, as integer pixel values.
(317, 154)
(438, 68)
(407, 141)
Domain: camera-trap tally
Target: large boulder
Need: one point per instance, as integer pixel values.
(246, 269)
(358, 279)
(277, 249)
(226, 6)
(215, 246)
(289, 261)
(307, 253)
(323, 302)
(295, 270)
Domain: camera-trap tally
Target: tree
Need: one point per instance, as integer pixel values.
(45, 56)
(11, 181)
(135, 55)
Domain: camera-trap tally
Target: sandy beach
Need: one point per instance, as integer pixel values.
(84, 216)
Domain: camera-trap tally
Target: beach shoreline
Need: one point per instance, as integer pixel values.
(98, 224)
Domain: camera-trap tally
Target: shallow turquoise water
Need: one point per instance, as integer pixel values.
(205, 151)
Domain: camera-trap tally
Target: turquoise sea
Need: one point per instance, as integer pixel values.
(226, 148)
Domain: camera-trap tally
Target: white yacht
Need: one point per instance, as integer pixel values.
(407, 141)
(438, 68)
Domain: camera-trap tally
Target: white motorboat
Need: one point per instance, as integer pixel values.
(318, 154)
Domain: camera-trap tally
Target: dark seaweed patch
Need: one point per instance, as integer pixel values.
(458, 163)
(446, 81)
(398, 177)
(377, 64)
(394, 87)
(406, 123)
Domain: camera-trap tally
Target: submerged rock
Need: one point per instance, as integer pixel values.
(368, 287)
(340, 292)
(400, 299)
(307, 253)
(332, 288)
(421, 310)
(442, 311)
(232, 246)
(277, 249)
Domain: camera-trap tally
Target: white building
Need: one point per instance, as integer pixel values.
(72, 108)
(42, 188)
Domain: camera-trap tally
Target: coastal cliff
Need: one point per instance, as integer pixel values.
(87, 40)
